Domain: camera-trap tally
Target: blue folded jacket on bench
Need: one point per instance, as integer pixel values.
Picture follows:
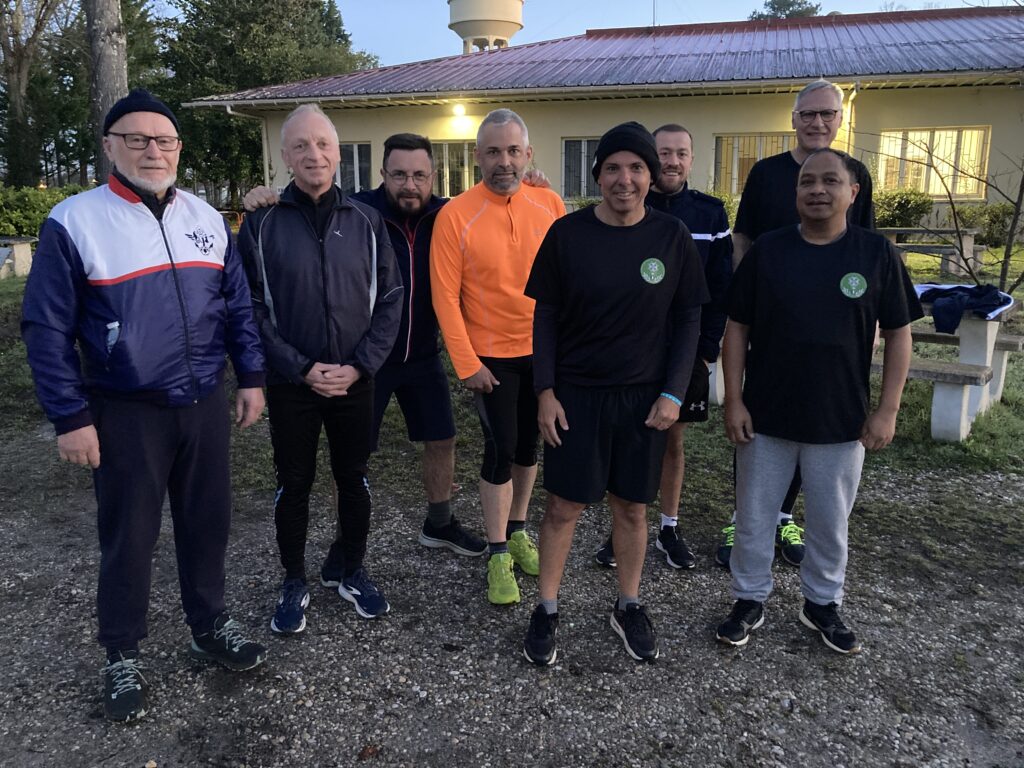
(949, 302)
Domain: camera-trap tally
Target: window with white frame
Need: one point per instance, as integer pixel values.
(939, 161)
(736, 154)
(353, 172)
(577, 160)
(455, 167)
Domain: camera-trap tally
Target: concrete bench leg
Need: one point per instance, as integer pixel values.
(716, 382)
(977, 341)
(950, 420)
(995, 387)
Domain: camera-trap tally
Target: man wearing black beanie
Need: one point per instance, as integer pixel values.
(154, 297)
(611, 283)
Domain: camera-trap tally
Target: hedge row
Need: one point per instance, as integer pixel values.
(24, 209)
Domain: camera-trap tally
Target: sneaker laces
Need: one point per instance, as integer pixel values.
(637, 620)
(230, 632)
(360, 580)
(730, 535)
(828, 617)
(291, 594)
(125, 675)
(791, 533)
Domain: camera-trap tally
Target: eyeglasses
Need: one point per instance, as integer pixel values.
(141, 141)
(401, 177)
(827, 115)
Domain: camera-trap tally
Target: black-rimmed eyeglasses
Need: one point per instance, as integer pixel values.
(141, 141)
(401, 177)
(827, 115)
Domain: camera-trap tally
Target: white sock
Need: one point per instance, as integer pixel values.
(669, 522)
(784, 518)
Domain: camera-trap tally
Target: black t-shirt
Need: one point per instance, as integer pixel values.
(617, 291)
(812, 311)
(769, 197)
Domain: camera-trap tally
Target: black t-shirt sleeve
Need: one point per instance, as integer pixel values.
(742, 289)
(747, 215)
(899, 304)
(545, 282)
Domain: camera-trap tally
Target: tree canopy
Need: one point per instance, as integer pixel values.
(786, 9)
(196, 48)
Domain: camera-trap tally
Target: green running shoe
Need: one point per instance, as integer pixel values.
(524, 552)
(502, 588)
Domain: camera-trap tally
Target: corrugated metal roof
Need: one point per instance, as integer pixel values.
(872, 46)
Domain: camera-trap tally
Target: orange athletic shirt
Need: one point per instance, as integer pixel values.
(481, 253)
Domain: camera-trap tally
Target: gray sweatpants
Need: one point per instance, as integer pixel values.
(764, 469)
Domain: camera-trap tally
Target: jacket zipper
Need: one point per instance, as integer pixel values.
(184, 313)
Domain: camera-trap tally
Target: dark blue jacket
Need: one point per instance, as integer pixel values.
(708, 223)
(410, 237)
(331, 300)
(153, 305)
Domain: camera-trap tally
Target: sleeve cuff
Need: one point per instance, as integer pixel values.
(251, 379)
(70, 423)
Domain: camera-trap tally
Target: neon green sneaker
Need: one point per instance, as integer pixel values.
(789, 539)
(524, 552)
(502, 588)
(724, 553)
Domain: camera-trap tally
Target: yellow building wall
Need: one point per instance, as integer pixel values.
(1001, 108)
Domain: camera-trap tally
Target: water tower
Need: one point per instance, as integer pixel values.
(486, 24)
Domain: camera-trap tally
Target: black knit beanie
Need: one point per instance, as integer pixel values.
(139, 100)
(629, 137)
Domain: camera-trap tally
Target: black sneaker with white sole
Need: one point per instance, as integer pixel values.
(677, 554)
(638, 636)
(744, 618)
(124, 687)
(834, 633)
(605, 555)
(454, 537)
(539, 645)
(226, 645)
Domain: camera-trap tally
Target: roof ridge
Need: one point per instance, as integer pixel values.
(827, 19)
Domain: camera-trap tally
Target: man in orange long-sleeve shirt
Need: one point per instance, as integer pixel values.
(483, 248)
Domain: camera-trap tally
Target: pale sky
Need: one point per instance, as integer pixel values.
(400, 31)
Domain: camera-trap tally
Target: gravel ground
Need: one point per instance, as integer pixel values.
(441, 681)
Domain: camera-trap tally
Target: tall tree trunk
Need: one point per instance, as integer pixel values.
(109, 77)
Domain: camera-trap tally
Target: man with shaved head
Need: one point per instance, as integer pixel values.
(328, 300)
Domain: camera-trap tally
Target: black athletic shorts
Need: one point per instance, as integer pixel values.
(695, 401)
(607, 447)
(421, 388)
(508, 418)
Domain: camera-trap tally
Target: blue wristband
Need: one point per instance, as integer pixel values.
(673, 398)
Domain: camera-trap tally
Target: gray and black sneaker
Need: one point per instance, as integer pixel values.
(226, 645)
(637, 633)
(454, 537)
(539, 645)
(744, 618)
(124, 687)
(825, 619)
(605, 555)
(677, 554)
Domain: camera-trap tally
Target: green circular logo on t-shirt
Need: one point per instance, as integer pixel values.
(653, 271)
(853, 285)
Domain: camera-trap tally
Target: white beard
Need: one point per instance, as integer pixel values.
(153, 187)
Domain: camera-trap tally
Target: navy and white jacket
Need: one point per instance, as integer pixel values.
(417, 332)
(708, 223)
(153, 304)
(331, 300)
